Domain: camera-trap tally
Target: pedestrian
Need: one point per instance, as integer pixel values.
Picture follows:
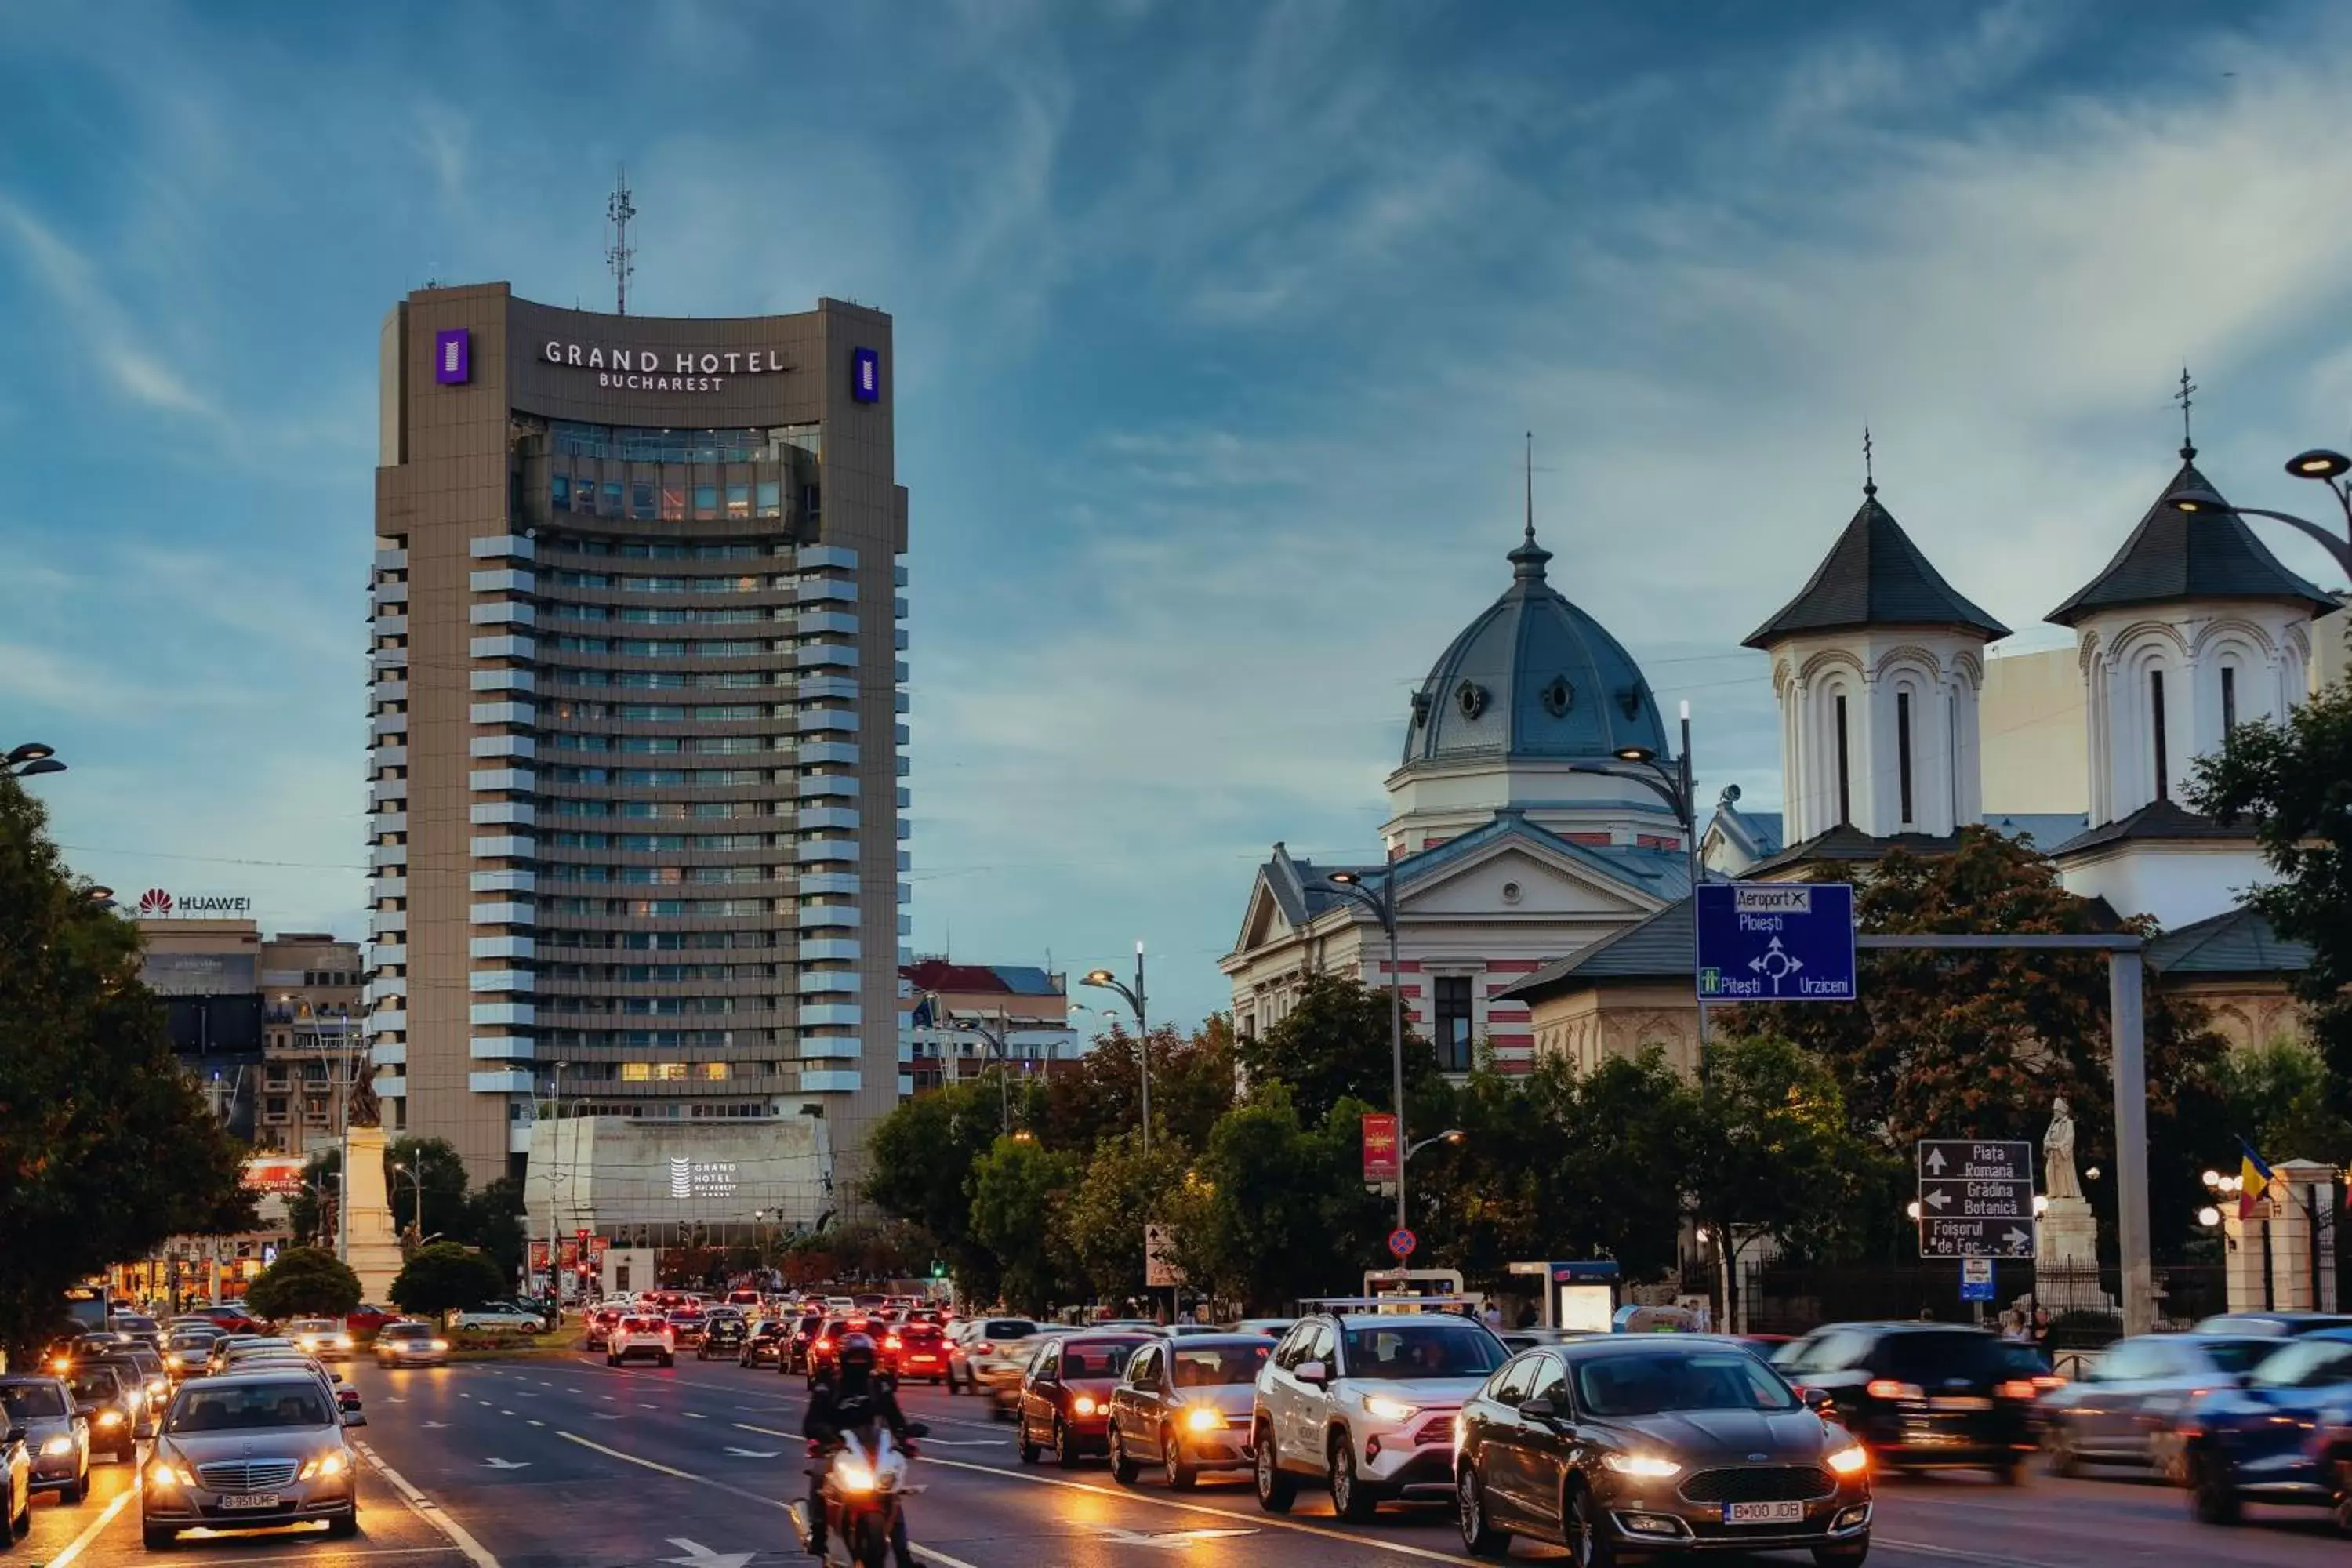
(2040, 1333)
(1493, 1317)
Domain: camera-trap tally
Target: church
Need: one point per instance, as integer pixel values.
(1538, 854)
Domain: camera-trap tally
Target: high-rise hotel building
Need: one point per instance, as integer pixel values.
(636, 754)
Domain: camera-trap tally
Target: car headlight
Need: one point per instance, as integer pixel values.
(1381, 1407)
(1849, 1460)
(57, 1446)
(325, 1466)
(342, 1342)
(1646, 1464)
(440, 1344)
(1083, 1405)
(110, 1418)
(164, 1476)
(1203, 1418)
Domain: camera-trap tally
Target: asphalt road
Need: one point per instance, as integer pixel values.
(531, 1464)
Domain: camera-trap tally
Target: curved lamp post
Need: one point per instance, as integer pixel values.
(30, 759)
(2328, 467)
(994, 1040)
(1105, 980)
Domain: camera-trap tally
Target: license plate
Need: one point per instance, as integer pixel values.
(1959, 1402)
(1763, 1513)
(250, 1500)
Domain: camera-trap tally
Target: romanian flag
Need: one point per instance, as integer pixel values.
(2254, 1180)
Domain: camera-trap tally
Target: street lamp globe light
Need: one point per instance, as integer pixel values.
(2213, 1180)
(2209, 1216)
(1097, 977)
(1911, 1209)
(1345, 878)
(2319, 463)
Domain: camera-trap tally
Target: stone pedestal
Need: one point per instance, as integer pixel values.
(371, 1245)
(2281, 1236)
(2066, 1259)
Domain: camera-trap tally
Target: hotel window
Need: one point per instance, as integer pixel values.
(612, 506)
(669, 1072)
(714, 1069)
(739, 500)
(673, 504)
(641, 498)
(706, 502)
(559, 492)
(772, 497)
(1454, 1020)
(637, 1072)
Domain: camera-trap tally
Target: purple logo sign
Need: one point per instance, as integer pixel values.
(866, 375)
(453, 357)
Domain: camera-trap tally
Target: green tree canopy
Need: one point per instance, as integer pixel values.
(2293, 782)
(1016, 1187)
(435, 1165)
(446, 1276)
(2278, 1095)
(920, 1158)
(1100, 1225)
(305, 1282)
(1098, 1097)
(106, 1148)
(1334, 1045)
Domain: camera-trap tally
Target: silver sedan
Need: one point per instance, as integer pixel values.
(247, 1449)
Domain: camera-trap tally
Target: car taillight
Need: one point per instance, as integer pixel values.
(2018, 1388)
(1887, 1388)
(984, 1348)
(891, 1343)
(2047, 1381)
(824, 1345)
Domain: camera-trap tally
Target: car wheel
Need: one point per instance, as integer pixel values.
(158, 1537)
(2212, 1496)
(1028, 1449)
(1181, 1476)
(344, 1525)
(1122, 1469)
(1351, 1499)
(1479, 1536)
(2058, 1444)
(1580, 1522)
(669, 1360)
(2010, 1472)
(1065, 1447)
(1275, 1490)
(1850, 1554)
(73, 1491)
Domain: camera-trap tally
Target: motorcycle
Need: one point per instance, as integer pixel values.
(863, 1492)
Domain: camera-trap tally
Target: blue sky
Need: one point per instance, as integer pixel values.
(1218, 326)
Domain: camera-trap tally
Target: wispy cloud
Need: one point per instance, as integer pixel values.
(71, 283)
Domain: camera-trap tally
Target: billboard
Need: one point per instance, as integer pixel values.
(1380, 1153)
(602, 1171)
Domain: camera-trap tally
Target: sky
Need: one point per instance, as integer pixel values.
(1218, 330)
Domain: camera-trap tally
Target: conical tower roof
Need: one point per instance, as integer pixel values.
(1875, 576)
(2175, 556)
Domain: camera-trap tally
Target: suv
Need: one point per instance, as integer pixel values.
(640, 1333)
(1364, 1403)
(1926, 1395)
(990, 1354)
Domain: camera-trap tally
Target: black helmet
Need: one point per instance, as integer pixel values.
(857, 1351)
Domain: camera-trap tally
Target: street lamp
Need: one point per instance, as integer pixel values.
(2328, 467)
(1451, 1135)
(416, 1180)
(1105, 980)
(994, 1040)
(1671, 785)
(1383, 905)
(30, 759)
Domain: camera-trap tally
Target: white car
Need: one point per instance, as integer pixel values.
(498, 1318)
(321, 1337)
(1364, 1403)
(641, 1333)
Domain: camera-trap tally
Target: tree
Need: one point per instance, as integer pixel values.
(919, 1160)
(446, 1276)
(1100, 1225)
(492, 1220)
(305, 1282)
(434, 1164)
(1100, 1095)
(310, 1213)
(1015, 1188)
(1274, 1210)
(1335, 1043)
(106, 1148)
(2277, 1097)
(1977, 1043)
(2293, 782)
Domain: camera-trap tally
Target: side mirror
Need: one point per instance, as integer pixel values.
(1313, 1372)
(1539, 1409)
(1816, 1399)
(918, 1429)
(16, 1433)
(354, 1418)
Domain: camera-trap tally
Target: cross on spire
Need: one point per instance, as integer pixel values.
(2187, 446)
(1532, 487)
(1869, 480)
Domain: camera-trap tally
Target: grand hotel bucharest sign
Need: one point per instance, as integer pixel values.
(662, 370)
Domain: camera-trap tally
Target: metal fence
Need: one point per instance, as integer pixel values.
(2084, 1304)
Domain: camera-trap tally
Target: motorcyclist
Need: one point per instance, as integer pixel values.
(850, 1398)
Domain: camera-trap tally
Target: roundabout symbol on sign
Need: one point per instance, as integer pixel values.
(1401, 1242)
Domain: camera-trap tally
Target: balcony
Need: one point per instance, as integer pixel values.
(509, 1013)
(512, 813)
(387, 955)
(502, 580)
(830, 1081)
(521, 746)
(828, 882)
(486, 781)
(818, 590)
(387, 724)
(503, 712)
(392, 559)
(505, 1080)
(382, 856)
(819, 557)
(829, 950)
(818, 753)
(386, 887)
(502, 1049)
(507, 647)
(382, 986)
(809, 917)
(507, 980)
(825, 655)
(847, 1014)
(502, 947)
(503, 613)
(382, 756)
(388, 691)
(502, 846)
(390, 593)
(509, 545)
(391, 1021)
(840, 818)
(392, 1086)
(383, 922)
(505, 678)
(389, 1054)
(504, 880)
(503, 915)
(829, 982)
(810, 851)
(388, 626)
(840, 688)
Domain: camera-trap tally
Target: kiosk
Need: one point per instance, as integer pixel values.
(1575, 1295)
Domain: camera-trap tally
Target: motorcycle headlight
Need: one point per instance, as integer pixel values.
(1849, 1460)
(56, 1447)
(1647, 1465)
(1385, 1409)
(854, 1476)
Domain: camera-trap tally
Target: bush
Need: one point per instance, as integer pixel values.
(446, 1276)
(305, 1282)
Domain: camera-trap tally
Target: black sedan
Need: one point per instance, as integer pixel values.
(765, 1342)
(723, 1333)
(1646, 1444)
(1926, 1395)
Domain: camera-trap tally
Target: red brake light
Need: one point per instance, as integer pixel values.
(1887, 1388)
(985, 1348)
(2017, 1388)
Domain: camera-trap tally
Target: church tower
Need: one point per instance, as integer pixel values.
(1876, 664)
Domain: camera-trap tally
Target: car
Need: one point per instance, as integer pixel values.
(499, 1315)
(110, 1400)
(641, 1333)
(16, 1468)
(1926, 1395)
(746, 1300)
(796, 1355)
(995, 1351)
(768, 1340)
(245, 1347)
(2281, 1436)
(689, 1324)
(916, 1352)
(1065, 1396)
(56, 1433)
(1654, 1444)
(188, 1352)
(1185, 1406)
(366, 1319)
(724, 1335)
(248, 1450)
(139, 1327)
(142, 1370)
(2124, 1407)
(321, 1337)
(1272, 1328)
(346, 1397)
(407, 1343)
(598, 1325)
(1363, 1403)
(824, 1350)
(2276, 1325)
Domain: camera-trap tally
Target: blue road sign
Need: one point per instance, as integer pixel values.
(1776, 942)
(1976, 1279)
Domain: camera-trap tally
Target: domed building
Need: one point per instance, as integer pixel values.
(1521, 828)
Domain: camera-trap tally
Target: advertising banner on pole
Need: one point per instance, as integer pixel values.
(1381, 1156)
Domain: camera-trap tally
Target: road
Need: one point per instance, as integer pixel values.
(562, 1462)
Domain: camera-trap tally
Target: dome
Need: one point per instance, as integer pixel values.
(1533, 678)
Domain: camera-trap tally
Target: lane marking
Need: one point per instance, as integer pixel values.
(693, 1416)
(538, 1422)
(634, 1459)
(1927, 1551)
(426, 1508)
(122, 1499)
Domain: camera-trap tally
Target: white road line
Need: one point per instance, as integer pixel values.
(426, 1508)
(90, 1532)
(538, 1422)
(1888, 1544)
(629, 1458)
(693, 1416)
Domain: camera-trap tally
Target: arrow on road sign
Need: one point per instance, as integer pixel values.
(1980, 1200)
(752, 1453)
(701, 1556)
(2017, 1239)
(1937, 1198)
(1775, 964)
(1173, 1540)
(507, 1463)
(1935, 1162)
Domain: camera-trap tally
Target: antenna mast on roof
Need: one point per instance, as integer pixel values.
(621, 257)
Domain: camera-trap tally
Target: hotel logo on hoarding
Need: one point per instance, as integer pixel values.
(656, 370)
(453, 357)
(160, 903)
(702, 1178)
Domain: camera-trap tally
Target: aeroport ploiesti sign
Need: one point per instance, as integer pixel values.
(647, 370)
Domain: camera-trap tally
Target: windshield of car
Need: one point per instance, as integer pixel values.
(1212, 1366)
(1084, 1359)
(2305, 1363)
(1007, 1329)
(192, 1342)
(1649, 1382)
(133, 1323)
(1920, 1357)
(2238, 1355)
(32, 1401)
(923, 1331)
(231, 1408)
(1410, 1350)
(405, 1331)
(95, 1385)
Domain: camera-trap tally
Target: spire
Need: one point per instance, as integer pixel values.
(1869, 480)
(2187, 447)
(1527, 560)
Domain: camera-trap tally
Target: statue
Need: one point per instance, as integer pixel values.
(2058, 1155)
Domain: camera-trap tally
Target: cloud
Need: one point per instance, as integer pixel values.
(71, 282)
